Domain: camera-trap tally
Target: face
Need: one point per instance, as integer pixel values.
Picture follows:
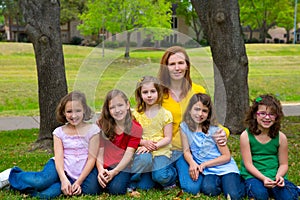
(149, 93)
(265, 117)
(199, 112)
(74, 112)
(118, 108)
(177, 66)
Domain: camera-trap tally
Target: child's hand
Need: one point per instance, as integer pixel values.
(150, 145)
(279, 181)
(66, 188)
(268, 183)
(194, 171)
(102, 178)
(142, 150)
(76, 189)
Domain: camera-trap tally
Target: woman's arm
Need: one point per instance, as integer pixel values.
(247, 158)
(167, 136)
(283, 159)
(59, 165)
(101, 171)
(128, 155)
(90, 164)
(193, 166)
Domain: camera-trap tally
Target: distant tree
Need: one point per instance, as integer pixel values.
(43, 29)
(186, 10)
(221, 23)
(69, 11)
(260, 15)
(11, 11)
(118, 16)
(286, 15)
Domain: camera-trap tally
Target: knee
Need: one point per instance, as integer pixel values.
(192, 189)
(210, 189)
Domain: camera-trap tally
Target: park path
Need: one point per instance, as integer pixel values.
(22, 122)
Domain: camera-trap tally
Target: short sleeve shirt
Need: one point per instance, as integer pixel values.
(76, 150)
(153, 128)
(114, 150)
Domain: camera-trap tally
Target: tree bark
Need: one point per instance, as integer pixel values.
(221, 23)
(42, 19)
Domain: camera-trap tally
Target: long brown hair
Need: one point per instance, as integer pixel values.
(140, 104)
(72, 96)
(211, 118)
(106, 122)
(270, 101)
(163, 74)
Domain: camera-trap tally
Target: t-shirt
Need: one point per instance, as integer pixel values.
(264, 157)
(76, 150)
(204, 148)
(153, 128)
(114, 150)
(177, 109)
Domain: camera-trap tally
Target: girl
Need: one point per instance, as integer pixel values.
(211, 168)
(72, 170)
(264, 150)
(178, 88)
(157, 135)
(120, 138)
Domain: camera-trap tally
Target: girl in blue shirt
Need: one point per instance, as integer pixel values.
(211, 169)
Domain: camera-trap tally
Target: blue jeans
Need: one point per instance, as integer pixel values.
(46, 184)
(147, 172)
(118, 185)
(256, 189)
(141, 175)
(163, 172)
(230, 184)
(187, 184)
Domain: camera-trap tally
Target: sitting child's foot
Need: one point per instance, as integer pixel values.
(4, 178)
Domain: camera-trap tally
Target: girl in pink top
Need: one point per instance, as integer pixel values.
(72, 170)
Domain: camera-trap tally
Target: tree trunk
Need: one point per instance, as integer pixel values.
(128, 35)
(220, 21)
(42, 19)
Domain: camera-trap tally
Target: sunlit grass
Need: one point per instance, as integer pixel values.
(273, 68)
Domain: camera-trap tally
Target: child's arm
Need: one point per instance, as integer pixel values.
(101, 171)
(247, 158)
(59, 165)
(193, 166)
(128, 155)
(167, 136)
(283, 159)
(90, 164)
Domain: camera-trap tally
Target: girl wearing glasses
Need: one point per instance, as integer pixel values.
(264, 150)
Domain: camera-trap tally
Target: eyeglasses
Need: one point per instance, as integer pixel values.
(264, 114)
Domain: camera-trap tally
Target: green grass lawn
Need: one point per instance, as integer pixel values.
(16, 147)
(273, 68)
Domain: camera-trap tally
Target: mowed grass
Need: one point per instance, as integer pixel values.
(16, 147)
(273, 68)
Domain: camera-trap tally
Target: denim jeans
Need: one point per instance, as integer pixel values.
(230, 184)
(163, 172)
(148, 172)
(118, 185)
(256, 189)
(141, 175)
(187, 184)
(46, 184)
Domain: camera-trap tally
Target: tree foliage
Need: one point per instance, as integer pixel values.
(262, 15)
(119, 16)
